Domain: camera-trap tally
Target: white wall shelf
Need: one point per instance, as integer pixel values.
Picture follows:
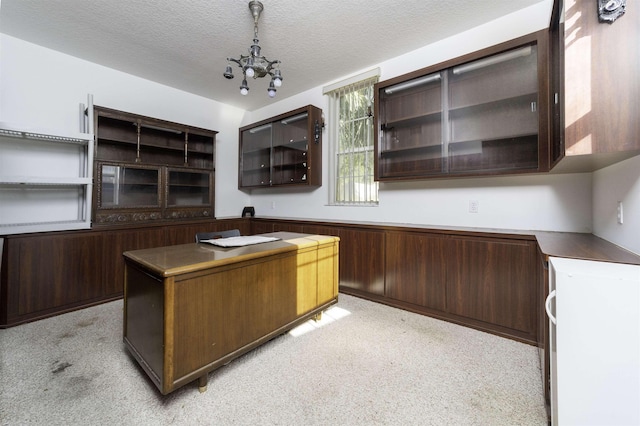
(45, 180)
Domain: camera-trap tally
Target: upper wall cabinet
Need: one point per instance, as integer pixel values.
(596, 88)
(483, 113)
(45, 180)
(149, 170)
(282, 151)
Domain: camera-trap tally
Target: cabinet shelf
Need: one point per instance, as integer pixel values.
(410, 150)
(255, 169)
(513, 138)
(186, 185)
(494, 155)
(30, 227)
(17, 181)
(293, 144)
(468, 108)
(412, 120)
(11, 131)
(300, 165)
(156, 146)
(257, 151)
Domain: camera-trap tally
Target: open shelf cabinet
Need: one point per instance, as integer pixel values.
(45, 180)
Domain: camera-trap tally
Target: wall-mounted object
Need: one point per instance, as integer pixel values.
(285, 150)
(610, 10)
(595, 86)
(483, 113)
(45, 180)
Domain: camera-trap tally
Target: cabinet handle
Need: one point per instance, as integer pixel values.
(547, 306)
(534, 106)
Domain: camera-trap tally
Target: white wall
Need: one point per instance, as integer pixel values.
(43, 87)
(618, 183)
(40, 87)
(540, 202)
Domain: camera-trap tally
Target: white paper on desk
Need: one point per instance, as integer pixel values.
(245, 240)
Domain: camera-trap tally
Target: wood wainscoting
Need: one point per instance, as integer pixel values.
(485, 280)
(47, 274)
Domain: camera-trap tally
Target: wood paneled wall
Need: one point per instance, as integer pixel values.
(488, 281)
(47, 274)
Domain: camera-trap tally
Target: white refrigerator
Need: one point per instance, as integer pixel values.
(594, 323)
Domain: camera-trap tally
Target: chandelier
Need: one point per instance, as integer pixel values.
(255, 65)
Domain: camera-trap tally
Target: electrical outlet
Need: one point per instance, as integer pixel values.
(473, 206)
(620, 213)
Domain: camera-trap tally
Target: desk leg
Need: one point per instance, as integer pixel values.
(202, 383)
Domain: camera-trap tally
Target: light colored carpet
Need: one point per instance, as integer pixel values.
(364, 363)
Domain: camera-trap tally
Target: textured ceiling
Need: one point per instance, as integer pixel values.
(185, 43)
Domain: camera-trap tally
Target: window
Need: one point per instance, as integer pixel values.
(351, 142)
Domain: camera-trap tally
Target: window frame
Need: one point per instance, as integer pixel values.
(334, 92)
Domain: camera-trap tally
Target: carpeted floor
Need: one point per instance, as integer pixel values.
(364, 363)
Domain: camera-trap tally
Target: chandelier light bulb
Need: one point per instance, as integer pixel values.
(271, 90)
(244, 88)
(277, 82)
(249, 72)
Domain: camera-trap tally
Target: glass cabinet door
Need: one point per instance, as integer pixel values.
(282, 151)
(480, 115)
(188, 188)
(256, 156)
(129, 186)
(493, 113)
(410, 138)
(290, 146)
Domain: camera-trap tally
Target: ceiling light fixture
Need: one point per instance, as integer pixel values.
(255, 65)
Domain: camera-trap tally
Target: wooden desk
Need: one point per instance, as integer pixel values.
(191, 308)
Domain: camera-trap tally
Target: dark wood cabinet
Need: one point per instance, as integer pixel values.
(149, 170)
(595, 85)
(483, 113)
(415, 271)
(50, 273)
(361, 259)
(61, 270)
(488, 281)
(493, 281)
(285, 150)
(361, 251)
